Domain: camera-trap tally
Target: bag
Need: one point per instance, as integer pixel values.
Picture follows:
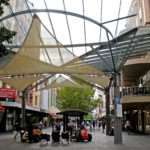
(18, 138)
(45, 137)
(111, 132)
(43, 142)
(84, 134)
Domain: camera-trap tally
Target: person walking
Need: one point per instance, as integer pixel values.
(94, 124)
(103, 125)
(70, 128)
(17, 129)
(127, 126)
(99, 124)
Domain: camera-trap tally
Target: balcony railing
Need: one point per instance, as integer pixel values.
(127, 91)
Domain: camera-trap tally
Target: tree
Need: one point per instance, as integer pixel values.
(76, 98)
(6, 35)
(88, 116)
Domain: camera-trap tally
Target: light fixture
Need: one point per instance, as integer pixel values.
(141, 83)
(120, 88)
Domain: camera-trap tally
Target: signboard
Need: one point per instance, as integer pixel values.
(2, 108)
(119, 110)
(8, 93)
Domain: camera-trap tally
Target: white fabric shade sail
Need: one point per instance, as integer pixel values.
(29, 60)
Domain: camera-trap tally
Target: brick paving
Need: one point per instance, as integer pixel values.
(100, 142)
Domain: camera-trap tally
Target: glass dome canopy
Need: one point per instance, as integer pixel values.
(69, 29)
(78, 34)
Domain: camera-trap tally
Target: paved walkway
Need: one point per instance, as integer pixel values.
(100, 142)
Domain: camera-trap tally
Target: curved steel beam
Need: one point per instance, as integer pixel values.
(58, 12)
(56, 46)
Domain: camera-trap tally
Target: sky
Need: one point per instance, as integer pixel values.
(92, 9)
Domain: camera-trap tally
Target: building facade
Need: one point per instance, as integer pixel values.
(38, 102)
(141, 9)
(135, 74)
(21, 23)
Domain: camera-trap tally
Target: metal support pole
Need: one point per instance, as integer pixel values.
(143, 121)
(118, 112)
(64, 122)
(23, 113)
(81, 119)
(107, 111)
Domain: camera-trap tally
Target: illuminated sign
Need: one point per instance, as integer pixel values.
(2, 108)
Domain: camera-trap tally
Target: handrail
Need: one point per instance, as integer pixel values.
(135, 90)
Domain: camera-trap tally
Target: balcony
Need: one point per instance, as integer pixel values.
(136, 95)
(136, 91)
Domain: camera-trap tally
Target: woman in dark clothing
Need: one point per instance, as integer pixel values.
(103, 125)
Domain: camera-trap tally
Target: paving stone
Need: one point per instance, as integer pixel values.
(100, 142)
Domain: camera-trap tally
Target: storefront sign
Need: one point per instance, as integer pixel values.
(2, 108)
(8, 93)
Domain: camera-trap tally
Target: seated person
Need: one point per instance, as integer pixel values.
(37, 135)
(84, 135)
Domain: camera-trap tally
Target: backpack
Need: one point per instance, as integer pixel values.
(84, 134)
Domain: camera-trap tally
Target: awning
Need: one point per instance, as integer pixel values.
(73, 112)
(102, 58)
(128, 45)
(61, 81)
(102, 81)
(99, 61)
(29, 60)
(53, 112)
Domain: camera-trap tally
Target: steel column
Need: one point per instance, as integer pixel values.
(107, 111)
(23, 110)
(118, 111)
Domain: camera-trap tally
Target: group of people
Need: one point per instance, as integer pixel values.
(71, 132)
(92, 125)
(32, 133)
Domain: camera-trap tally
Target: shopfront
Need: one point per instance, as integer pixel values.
(7, 111)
